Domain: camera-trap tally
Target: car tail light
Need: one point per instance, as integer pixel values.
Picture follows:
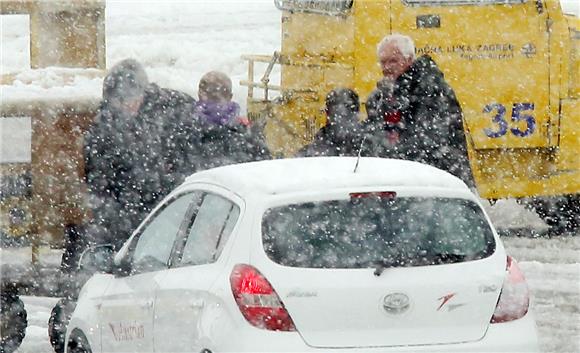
(258, 301)
(514, 299)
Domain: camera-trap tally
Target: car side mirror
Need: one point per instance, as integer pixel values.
(97, 258)
(122, 262)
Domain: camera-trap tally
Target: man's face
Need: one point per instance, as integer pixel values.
(129, 107)
(392, 61)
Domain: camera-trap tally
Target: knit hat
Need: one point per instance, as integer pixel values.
(126, 80)
(342, 97)
(215, 86)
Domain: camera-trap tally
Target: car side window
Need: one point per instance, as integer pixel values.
(154, 244)
(210, 230)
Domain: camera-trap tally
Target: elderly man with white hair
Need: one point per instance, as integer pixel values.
(413, 113)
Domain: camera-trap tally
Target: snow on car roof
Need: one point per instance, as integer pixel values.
(319, 173)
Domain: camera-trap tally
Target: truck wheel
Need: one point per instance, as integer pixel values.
(573, 214)
(57, 323)
(13, 323)
(562, 214)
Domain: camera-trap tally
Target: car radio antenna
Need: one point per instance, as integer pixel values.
(359, 154)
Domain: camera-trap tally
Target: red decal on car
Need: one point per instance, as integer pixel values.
(444, 299)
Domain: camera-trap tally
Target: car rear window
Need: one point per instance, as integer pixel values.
(366, 232)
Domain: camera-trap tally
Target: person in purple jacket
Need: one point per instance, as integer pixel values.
(215, 105)
(225, 136)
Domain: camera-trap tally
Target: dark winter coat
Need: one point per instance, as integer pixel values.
(223, 139)
(131, 163)
(332, 140)
(421, 121)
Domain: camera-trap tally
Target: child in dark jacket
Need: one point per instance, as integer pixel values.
(215, 105)
(225, 136)
(342, 135)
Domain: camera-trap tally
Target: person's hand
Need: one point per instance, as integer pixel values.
(242, 120)
(386, 86)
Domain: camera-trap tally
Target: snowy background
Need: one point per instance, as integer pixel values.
(178, 41)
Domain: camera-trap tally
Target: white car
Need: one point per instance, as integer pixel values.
(310, 255)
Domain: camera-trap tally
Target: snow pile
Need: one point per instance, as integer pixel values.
(204, 36)
(508, 214)
(176, 41)
(53, 83)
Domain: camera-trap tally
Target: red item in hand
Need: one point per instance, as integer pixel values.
(392, 118)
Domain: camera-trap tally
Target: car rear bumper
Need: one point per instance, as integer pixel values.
(515, 336)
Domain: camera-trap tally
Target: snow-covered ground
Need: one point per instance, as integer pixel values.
(38, 311)
(178, 41)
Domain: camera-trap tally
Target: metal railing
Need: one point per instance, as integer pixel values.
(321, 7)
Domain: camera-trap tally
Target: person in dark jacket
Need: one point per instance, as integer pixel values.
(225, 137)
(413, 113)
(342, 135)
(139, 148)
(136, 152)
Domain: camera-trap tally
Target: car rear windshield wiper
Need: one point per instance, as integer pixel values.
(381, 265)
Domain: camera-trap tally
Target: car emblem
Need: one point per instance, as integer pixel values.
(396, 303)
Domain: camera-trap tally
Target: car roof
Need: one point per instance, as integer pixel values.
(281, 176)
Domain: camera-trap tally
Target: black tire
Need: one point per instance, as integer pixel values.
(13, 322)
(573, 212)
(78, 343)
(58, 322)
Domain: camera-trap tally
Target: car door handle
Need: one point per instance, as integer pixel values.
(196, 303)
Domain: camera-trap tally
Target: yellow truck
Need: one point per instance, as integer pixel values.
(514, 65)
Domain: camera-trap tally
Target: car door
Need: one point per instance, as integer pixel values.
(126, 312)
(183, 306)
